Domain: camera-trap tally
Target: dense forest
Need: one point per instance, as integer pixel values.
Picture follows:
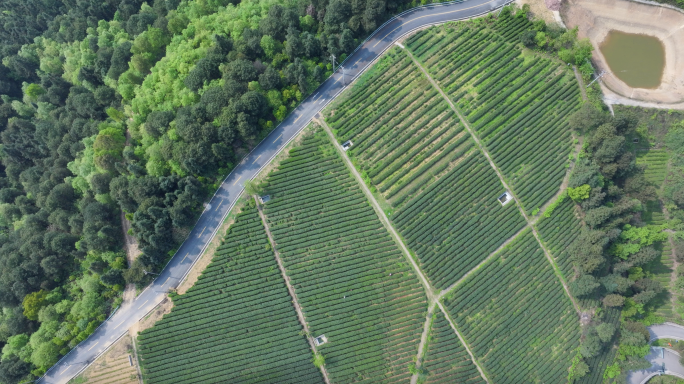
(615, 246)
(137, 110)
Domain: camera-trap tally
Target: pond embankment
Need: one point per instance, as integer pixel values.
(597, 18)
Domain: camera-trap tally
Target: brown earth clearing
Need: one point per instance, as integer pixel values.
(539, 9)
(113, 367)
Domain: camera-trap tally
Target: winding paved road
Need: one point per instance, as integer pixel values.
(663, 360)
(221, 203)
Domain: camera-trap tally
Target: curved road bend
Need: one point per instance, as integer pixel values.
(211, 219)
(666, 359)
(663, 360)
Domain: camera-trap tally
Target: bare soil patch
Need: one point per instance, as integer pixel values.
(595, 18)
(113, 367)
(130, 243)
(539, 8)
(155, 315)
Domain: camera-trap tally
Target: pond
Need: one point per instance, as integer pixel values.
(638, 60)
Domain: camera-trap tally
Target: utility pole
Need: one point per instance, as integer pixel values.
(343, 80)
(333, 62)
(603, 73)
(497, 15)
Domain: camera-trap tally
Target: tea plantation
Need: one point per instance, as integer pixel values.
(353, 283)
(517, 103)
(458, 221)
(236, 324)
(403, 132)
(426, 166)
(515, 316)
(446, 360)
(558, 231)
(435, 154)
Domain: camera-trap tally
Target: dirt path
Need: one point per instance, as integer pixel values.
(453, 286)
(501, 178)
(583, 89)
(132, 253)
(465, 345)
(429, 291)
(295, 302)
(131, 248)
(130, 243)
(423, 340)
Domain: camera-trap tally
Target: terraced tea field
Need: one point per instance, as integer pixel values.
(661, 270)
(518, 103)
(558, 231)
(352, 281)
(515, 316)
(440, 192)
(458, 221)
(656, 165)
(425, 164)
(446, 360)
(237, 323)
(404, 135)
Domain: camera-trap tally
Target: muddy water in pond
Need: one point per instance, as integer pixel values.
(638, 60)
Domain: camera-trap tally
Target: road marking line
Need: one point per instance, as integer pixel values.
(143, 304)
(238, 179)
(65, 369)
(198, 236)
(93, 345)
(119, 324)
(314, 95)
(186, 256)
(219, 206)
(300, 116)
(436, 14)
(255, 160)
(167, 280)
(276, 139)
(319, 97)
